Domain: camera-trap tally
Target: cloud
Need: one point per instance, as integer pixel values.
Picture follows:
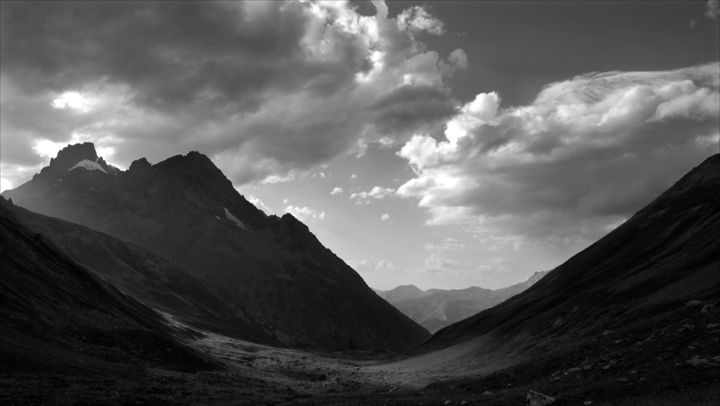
(268, 90)
(385, 217)
(305, 213)
(367, 265)
(712, 9)
(417, 19)
(458, 59)
(258, 203)
(336, 191)
(376, 193)
(412, 107)
(447, 244)
(585, 154)
(438, 264)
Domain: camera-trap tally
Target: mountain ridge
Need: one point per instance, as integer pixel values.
(438, 308)
(668, 252)
(185, 210)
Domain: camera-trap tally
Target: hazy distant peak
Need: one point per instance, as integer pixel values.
(409, 287)
(402, 292)
(437, 308)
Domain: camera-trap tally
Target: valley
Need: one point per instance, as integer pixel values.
(602, 371)
(88, 318)
(360, 203)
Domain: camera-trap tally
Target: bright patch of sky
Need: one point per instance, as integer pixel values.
(73, 100)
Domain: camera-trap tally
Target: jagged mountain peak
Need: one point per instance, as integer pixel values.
(194, 166)
(139, 164)
(81, 155)
(74, 153)
(185, 210)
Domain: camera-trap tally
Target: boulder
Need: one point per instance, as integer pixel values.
(538, 399)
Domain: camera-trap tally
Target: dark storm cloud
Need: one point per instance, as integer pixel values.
(266, 88)
(173, 55)
(410, 107)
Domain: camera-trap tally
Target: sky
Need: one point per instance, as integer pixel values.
(441, 144)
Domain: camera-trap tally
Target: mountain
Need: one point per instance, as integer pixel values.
(400, 293)
(55, 316)
(271, 269)
(438, 308)
(145, 277)
(642, 301)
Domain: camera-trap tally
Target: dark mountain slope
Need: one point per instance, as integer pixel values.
(142, 275)
(666, 254)
(55, 316)
(272, 269)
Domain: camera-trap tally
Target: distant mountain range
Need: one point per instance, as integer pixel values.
(438, 308)
(266, 277)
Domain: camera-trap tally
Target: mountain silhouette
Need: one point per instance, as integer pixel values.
(270, 269)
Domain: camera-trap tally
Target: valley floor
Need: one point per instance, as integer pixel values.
(676, 364)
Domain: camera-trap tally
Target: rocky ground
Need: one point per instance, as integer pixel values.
(678, 363)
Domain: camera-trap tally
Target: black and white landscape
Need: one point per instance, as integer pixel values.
(301, 202)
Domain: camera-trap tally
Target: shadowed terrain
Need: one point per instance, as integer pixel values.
(142, 275)
(271, 270)
(57, 318)
(634, 319)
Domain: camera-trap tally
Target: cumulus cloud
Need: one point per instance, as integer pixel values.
(305, 213)
(367, 265)
(411, 107)
(376, 193)
(258, 203)
(447, 244)
(268, 89)
(584, 155)
(458, 59)
(418, 19)
(440, 264)
(712, 9)
(336, 191)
